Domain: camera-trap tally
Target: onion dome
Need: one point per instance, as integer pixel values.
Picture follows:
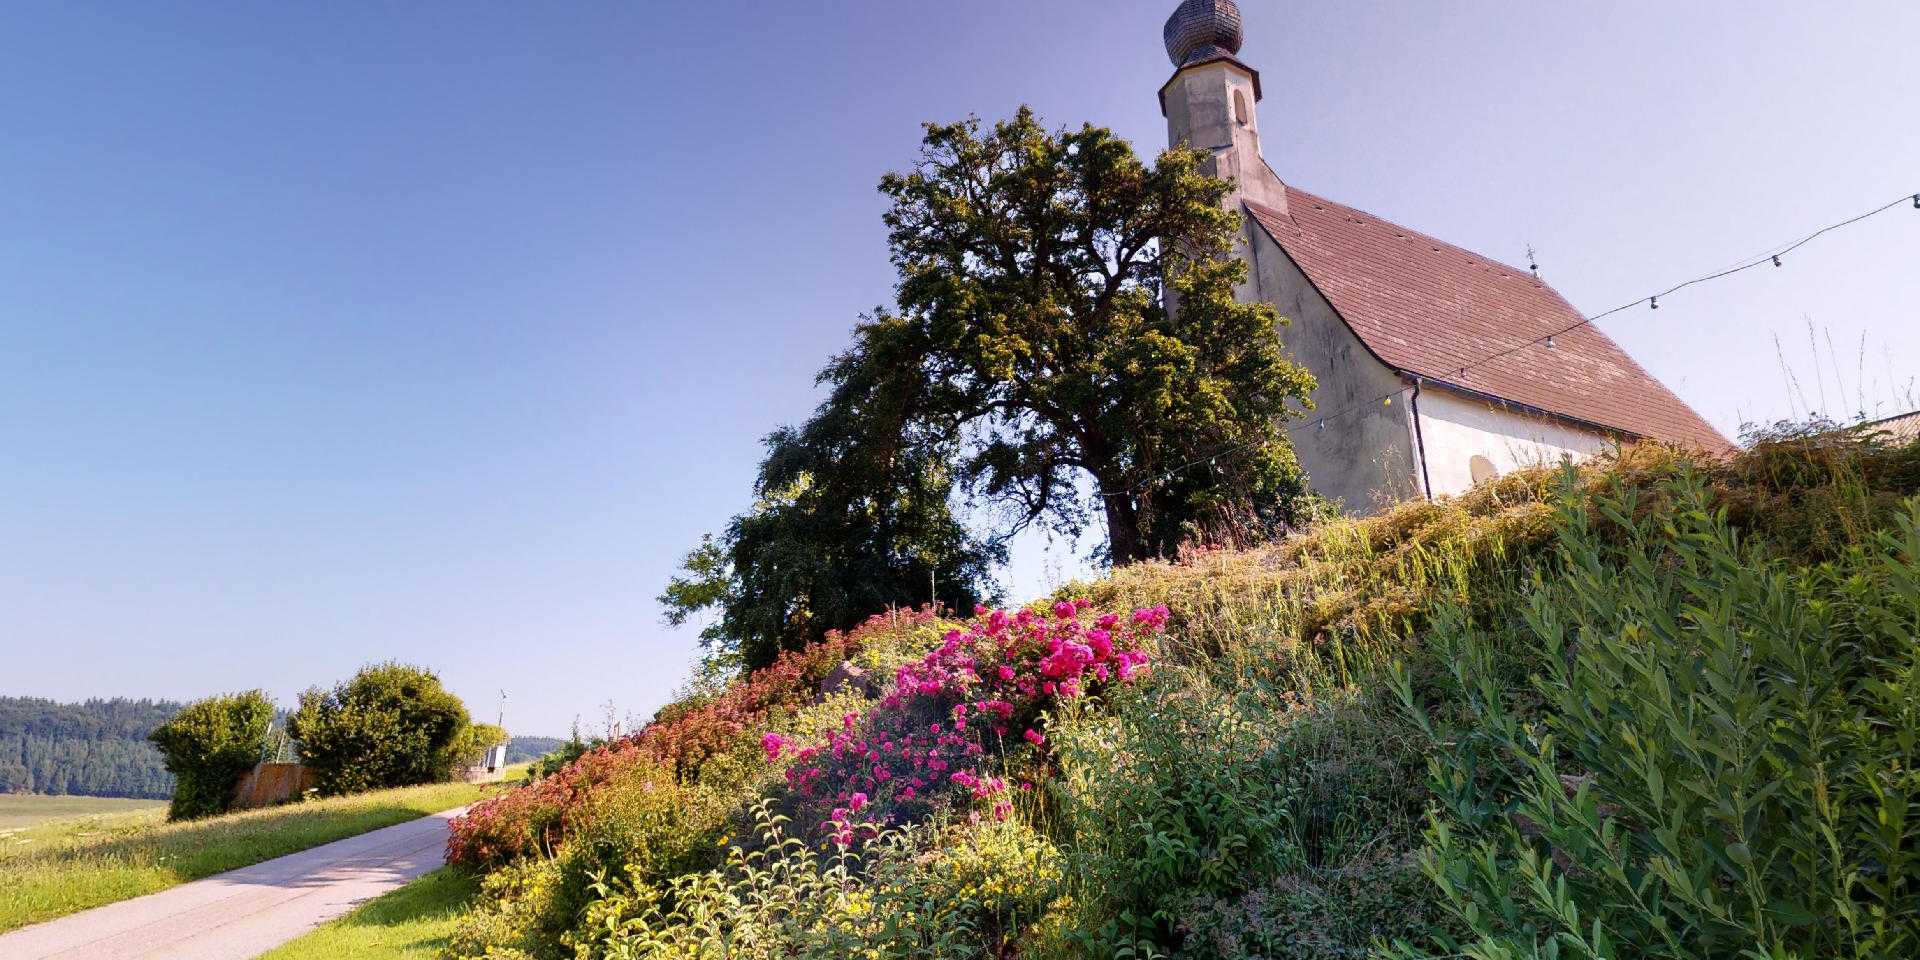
(1202, 30)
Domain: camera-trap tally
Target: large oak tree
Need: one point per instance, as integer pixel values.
(1034, 269)
(1031, 362)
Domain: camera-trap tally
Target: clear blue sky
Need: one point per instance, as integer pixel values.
(339, 332)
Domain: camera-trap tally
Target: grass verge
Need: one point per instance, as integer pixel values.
(411, 923)
(64, 867)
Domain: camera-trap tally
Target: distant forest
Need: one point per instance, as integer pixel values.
(522, 749)
(98, 748)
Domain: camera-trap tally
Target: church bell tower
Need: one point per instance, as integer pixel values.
(1212, 102)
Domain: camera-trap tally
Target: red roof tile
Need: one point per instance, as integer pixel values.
(1904, 428)
(1429, 308)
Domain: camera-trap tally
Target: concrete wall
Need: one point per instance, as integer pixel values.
(1364, 459)
(1457, 428)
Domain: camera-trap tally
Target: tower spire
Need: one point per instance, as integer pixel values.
(1202, 30)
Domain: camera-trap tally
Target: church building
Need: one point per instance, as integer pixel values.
(1438, 368)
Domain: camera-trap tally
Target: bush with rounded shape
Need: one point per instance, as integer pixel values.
(209, 745)
(392, 725)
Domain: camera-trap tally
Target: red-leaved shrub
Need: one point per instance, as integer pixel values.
(535, 818)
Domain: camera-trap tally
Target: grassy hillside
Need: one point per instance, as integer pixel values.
(1657, 707)
(62, 867)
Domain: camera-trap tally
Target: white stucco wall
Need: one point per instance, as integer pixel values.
(1455, 428)
(1363, 458)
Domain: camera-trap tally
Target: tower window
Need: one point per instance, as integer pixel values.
(1240, 111)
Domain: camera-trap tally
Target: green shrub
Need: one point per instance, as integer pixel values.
(1715, 760)
(209, 745)
(391, 725)
(638, 828)
(1187, 806)
(477, 741)
(929, 892)
(1323, 913)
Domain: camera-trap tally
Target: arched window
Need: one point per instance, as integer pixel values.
(1240, 111)
(1482, 469)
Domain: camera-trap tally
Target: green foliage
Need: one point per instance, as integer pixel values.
(1033, 272)
(391, 725)
(477, 740)
(1219, 822)
(209, 745)
(910, 894)
(1713, 760)
(96, 748)
(705, 584)
(637, 828)
(850, 520)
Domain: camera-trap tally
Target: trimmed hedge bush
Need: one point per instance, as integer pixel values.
(392, 725)
(209, 745)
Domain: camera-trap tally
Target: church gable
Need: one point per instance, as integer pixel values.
(1429, 308)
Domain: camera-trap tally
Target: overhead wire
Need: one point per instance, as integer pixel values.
(1652, 300)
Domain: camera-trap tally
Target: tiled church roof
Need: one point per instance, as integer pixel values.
(1904, 428)
(1428, 308)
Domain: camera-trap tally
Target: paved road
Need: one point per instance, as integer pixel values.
(240, 914)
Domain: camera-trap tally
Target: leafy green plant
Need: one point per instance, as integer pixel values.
(638, 827)
(932, 892)
(209, 745)
(391, 725)
(1189, 814)
(1714, 760)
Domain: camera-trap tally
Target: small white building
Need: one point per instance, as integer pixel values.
(1397, 326)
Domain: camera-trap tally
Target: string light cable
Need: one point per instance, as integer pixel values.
(1773, 256)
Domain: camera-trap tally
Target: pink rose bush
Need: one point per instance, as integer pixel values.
(945, 728)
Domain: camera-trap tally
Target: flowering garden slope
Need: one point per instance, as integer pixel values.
(1019, 784)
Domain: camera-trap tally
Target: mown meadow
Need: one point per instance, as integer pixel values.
(1656, 706)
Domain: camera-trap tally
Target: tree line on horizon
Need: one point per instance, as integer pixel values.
(96, 748)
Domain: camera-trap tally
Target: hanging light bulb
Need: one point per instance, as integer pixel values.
(1654, 302)
(1916, 201)
(1549, 341)
(1776, 259)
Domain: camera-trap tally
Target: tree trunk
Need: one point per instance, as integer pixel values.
(1123, 530)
